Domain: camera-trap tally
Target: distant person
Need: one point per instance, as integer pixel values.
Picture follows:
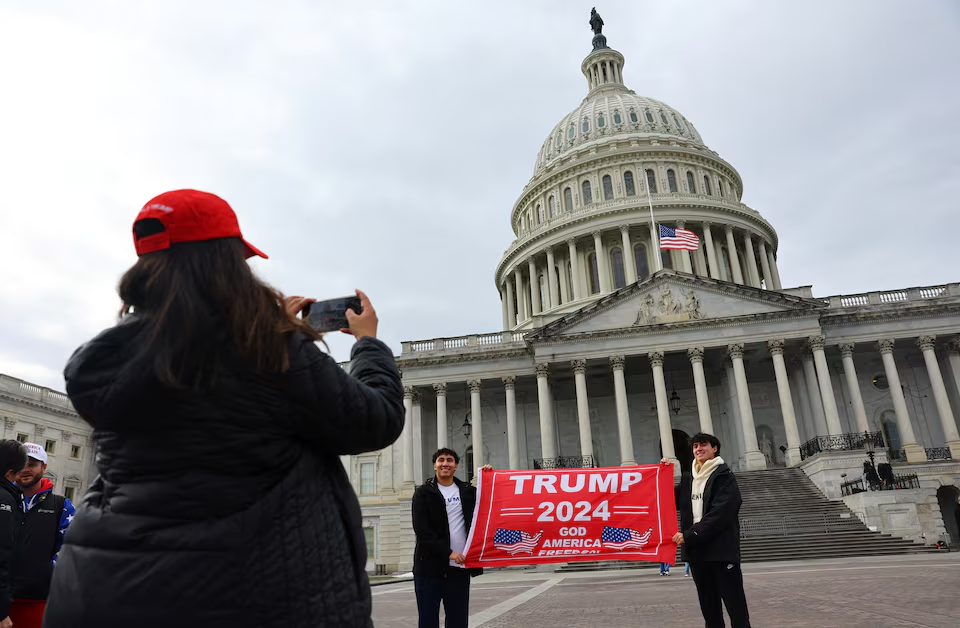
(45, 520)
(221, 499)
(442, 512)
(709, 503)
(13, 457)
(664, 569)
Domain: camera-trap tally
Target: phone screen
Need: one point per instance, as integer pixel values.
(331, 315)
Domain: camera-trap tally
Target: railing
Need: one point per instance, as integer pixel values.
(938, 453)
(900, 482)
(794, 524)
(897, 455)
(842, 442)
(565, 462)
(463, 342)
(895, 296)
(26, 390)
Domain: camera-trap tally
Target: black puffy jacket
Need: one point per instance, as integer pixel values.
(716, 537)
(431, 557)
(225, 507)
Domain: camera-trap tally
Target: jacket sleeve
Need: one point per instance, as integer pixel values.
(349, 413)
(427, 537)
(65, 518)
(723, 512)
(8, 525)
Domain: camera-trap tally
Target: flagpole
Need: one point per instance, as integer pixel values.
(654, 231)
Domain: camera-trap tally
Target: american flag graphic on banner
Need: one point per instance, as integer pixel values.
(624, 538)
(515, 541)
(678, 239)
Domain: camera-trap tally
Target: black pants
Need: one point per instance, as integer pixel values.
(453, 591)
(716, 582)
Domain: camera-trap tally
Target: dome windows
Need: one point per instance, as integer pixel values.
(567, 200)
(691, 184)
(633, 116)
(706, 186)
(601, 122)
(649, 116)
(587, 195)
(628, 184)
(553, 207)
(594, 273)
(664, 119)
(720, 187)
(677, 122)
(643, 265)
(671, 181)
(652, 181)
(616, 267)
(571, 132)
(586, 125)
(607, 183)
(617, 119)
(540, 216)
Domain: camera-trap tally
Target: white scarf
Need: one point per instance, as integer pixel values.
(701, 472)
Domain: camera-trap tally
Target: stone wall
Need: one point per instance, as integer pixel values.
(912, 514)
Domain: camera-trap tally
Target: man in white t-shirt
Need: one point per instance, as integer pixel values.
(442, 512)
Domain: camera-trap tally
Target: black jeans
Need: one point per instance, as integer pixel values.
(716, 582)
(453, 591)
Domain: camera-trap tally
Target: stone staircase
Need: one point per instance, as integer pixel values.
(784, 516)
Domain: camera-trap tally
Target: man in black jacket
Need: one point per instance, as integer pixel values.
(709, 503)
(13, 457)
(442, 513)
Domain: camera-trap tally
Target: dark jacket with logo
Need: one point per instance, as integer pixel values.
(432, 554)
(11, 513)
(40, 540)
(227, 506)
(716, 538)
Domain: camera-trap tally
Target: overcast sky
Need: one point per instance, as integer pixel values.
(381, 145)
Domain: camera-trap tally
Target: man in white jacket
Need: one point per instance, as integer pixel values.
(709, 503)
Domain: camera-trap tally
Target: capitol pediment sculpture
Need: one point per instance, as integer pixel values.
(669, 309)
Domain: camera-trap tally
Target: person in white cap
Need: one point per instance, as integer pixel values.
(45, 520)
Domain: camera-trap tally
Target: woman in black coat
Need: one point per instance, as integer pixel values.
(221, 499)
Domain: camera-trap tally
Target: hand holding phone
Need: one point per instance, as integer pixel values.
(351, 315)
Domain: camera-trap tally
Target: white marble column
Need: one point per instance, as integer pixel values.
(416, 436)
(753, 459)
(776, 273)
(513, 444)
(548, 436)
(913, 450)
(575, 269)
(407, 439)
(700, 382)
(765, 265)
(503, 307)
(565, 296)
(629, 260)
(853, 387)
(711, 252)
(476, 425)
(603, 263)
(441, 391)
(752, 269)
(521, 298)
(617, 363)
(806, 411)
(813, 393)
(734, 256)
(511, 308)
(734, 408)
(953, 356)
(700, 262)
(553, 288)
(927, 345)
(663, 408)
(786, 403)
(826, 386)
(685, 265)
(583, 408)
(534, 287)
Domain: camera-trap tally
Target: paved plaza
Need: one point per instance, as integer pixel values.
(922, 590)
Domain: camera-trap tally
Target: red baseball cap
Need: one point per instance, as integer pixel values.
(186, 216)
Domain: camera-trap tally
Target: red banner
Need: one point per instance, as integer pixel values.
(571, 515)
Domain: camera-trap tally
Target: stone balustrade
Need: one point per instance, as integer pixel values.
(464, 344)
(34, 393)
(886, 297)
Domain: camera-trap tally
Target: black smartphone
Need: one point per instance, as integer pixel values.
(331, 315)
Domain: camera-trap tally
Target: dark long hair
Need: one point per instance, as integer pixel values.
(202, 308)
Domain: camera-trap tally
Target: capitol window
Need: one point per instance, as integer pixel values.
(607, 187)
(616, 265)
(367, 478)
(553, 207)
(664, 118)
(649, 116)
(628, 183)
(572, 131)
(540, 217)
(666, 260)
(586, 126)
(720, 187)
(671, 181)
(616, 117)
(691, 184)
(651, 181)
(587, 196)
(633, 116)
(643, 265)
(601, 122)
(594, 273)
(559, 141)
(677, 122)
(706, 186)
(568, 200)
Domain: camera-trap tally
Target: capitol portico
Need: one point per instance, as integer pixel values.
(614, 353)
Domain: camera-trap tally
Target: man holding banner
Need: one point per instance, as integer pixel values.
(709, 501)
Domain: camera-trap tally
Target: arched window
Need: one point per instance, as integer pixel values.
(529, 220)
(616, 117)
(616, 265)
(540, 218)
(651, 181)
(607, 187)
(567, 200)
(586, 126)
(587, 196)
(553, 207)
(691, 184)
(633, 116)
(643, 265)
(594, 273)
(571, 132)
(666, 260)
(677, 122)
(706, 186)
(559, 141)
(601, 122)
(649, 116)
(628, 185)
(664, 118)
(720, 187)
(671, 181)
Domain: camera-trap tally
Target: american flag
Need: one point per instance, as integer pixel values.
(679, 239)
(515, 541)
(624, 538)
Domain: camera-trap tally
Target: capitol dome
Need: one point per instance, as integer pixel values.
(609, 176)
